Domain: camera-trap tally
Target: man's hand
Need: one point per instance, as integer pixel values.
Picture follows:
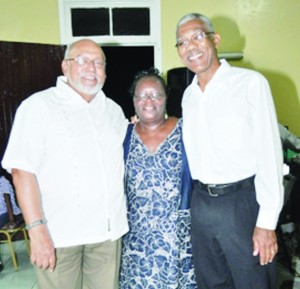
(264, 245)
(42, 250)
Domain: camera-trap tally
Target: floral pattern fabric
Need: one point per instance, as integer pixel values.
(156, 252)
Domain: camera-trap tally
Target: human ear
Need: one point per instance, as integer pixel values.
(64, 67)
(217, 40)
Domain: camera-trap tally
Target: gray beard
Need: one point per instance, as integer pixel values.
(87, 89)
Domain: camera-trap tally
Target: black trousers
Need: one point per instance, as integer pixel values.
(222, 230)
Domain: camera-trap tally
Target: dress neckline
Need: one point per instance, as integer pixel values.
(137, 136)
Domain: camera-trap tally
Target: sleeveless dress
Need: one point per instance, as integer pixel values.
(156, 252)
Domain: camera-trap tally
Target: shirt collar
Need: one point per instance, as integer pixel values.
(223, 68)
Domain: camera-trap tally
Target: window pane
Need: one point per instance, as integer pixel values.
(131, 21)
(88, 22)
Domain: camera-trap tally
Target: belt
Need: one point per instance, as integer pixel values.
(216, 190)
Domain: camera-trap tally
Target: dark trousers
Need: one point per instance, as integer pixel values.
(222, 230)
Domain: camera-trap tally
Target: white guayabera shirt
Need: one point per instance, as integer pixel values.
(75, 150)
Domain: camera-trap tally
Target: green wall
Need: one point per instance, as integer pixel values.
(35, 21)
(267, 31)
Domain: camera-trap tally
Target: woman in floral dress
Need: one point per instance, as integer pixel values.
(156, 252)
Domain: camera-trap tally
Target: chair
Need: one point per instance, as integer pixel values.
(10, 232)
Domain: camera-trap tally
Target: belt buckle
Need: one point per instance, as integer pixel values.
(209, 187)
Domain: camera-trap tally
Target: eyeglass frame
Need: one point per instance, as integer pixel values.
(152, 96)
(197, 37)
(82, 61)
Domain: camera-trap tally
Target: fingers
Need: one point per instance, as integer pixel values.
(264, 245)
(44, 262)
(255, 249)
(52, 262)
(273, 253)
(267, 254)
(43, 256)
(42, 249)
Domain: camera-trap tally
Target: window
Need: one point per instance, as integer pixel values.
(89, 21)
(131, 21)
(113, 23)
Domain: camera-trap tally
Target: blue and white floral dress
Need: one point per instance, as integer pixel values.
(156, 252)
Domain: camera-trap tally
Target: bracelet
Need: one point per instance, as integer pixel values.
(35, 223)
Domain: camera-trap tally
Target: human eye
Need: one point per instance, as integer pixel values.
(141, 96)
(199, 36)
(157, 95)
(81, 60)
(182, 43)
(99, 63)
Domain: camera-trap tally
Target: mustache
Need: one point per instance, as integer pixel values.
(194, 52)
(88, 75)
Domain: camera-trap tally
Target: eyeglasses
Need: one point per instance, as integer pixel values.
(152, 96)
(83, 61)
(196, 38)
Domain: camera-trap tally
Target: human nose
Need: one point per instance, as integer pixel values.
(91, 65)
(191, 42)
(148, 97)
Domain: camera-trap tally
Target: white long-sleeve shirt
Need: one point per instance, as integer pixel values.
(75, 149)
(230, 133)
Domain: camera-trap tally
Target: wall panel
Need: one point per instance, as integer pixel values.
(24, 68)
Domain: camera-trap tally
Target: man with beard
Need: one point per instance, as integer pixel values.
(66, 157)
(232, 141)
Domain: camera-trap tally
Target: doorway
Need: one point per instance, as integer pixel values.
(122, 64)
(27, 68)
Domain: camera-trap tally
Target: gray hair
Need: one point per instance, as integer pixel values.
(196, 16)
(71, 46)
(69, 49)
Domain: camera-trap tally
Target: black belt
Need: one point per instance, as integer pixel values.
(216, 190)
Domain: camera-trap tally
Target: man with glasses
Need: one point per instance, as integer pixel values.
(231, 137)
(65, 154)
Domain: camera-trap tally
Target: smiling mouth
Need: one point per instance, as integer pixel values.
(89, 77)
(149, 108)
(195, 56)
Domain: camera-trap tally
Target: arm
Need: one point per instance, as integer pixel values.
(28, 194)
(269, 170)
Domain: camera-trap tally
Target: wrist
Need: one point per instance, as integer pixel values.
(35, 224)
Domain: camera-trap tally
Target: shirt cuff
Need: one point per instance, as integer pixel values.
(267, 219)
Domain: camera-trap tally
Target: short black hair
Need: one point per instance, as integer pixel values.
(151, 72)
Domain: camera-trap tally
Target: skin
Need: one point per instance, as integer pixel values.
(42, 252)
(86, 80)
(152, 126)
(202, 59)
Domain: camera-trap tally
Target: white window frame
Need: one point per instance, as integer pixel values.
(154, 39)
